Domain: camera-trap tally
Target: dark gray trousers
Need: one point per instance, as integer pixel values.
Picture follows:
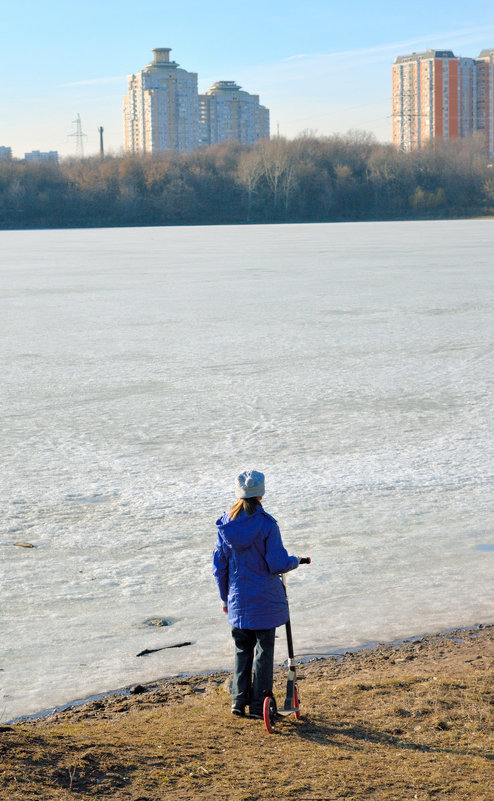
(253, 672)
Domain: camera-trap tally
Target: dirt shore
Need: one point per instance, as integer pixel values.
(407, 722)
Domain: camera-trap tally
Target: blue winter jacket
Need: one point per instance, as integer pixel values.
(247, 560)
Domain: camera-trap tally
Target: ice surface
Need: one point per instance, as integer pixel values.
(142, 369)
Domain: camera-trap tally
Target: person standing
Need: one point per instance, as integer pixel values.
(247, 561)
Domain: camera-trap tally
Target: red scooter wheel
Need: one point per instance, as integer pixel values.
(269, 713)
(296, 702)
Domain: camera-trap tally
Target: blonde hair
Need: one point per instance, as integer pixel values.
(247, 505)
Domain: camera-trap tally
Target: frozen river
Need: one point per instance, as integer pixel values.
(142, 369)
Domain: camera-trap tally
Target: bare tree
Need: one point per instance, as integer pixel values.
(279, 169)
(249, 173)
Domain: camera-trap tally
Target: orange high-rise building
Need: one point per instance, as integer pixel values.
(437, 95)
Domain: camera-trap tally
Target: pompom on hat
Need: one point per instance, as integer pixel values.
(249, 484)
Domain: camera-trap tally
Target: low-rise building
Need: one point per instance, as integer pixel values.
(38, 155)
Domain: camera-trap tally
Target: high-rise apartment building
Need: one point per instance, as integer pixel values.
(228, 113)
(485, 98)
(161, 107)
(437, 95)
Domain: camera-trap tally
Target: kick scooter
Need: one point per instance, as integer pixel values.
(291, 706)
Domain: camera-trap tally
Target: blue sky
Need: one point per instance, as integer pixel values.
(318, 65)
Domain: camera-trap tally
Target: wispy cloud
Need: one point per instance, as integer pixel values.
(94, 81)
(296, 57)
(321, 76)
(441, 40)
(301, 66)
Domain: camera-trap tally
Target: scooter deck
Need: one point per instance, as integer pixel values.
(285, 712)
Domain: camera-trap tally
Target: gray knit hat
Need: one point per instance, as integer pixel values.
(249, 484)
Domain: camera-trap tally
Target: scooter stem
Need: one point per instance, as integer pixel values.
(288, 626)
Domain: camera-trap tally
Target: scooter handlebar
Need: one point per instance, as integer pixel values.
(304, 560)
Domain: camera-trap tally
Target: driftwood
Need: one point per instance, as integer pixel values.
(164, 648)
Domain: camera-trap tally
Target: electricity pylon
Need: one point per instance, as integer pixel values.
(79, 137)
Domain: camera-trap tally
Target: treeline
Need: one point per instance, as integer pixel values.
(309, 178)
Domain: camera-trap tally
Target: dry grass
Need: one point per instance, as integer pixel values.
(387, 725)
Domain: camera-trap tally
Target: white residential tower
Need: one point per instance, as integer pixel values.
(161, 109)
(228, 113)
